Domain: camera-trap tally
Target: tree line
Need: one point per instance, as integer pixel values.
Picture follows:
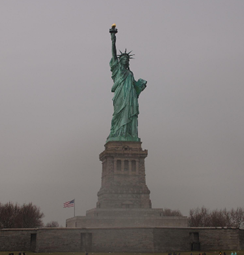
(203, 217)
(30, 216)
(22, 216)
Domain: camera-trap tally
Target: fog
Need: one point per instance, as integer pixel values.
(56, 100)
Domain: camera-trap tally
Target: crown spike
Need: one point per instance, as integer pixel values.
(126, 54)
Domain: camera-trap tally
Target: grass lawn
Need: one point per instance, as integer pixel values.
(102, 253)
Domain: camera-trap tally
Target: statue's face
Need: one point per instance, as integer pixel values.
(124, 61)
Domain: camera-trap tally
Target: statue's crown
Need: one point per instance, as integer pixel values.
(126, 54)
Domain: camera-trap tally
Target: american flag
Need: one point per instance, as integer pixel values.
(69, 204)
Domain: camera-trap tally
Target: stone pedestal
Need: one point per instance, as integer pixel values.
(124, 198)
(123, 176)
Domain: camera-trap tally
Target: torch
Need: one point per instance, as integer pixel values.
(113, 29)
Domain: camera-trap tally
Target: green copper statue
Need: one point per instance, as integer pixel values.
(124, 125)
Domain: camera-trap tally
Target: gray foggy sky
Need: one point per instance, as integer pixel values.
(56, 100)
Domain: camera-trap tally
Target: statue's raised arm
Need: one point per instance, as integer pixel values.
(113, 31)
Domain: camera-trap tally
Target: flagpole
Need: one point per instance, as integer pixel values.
(74, 207)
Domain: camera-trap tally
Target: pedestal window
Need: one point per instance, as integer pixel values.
(126, 165)
(133, 166)
(118, 165)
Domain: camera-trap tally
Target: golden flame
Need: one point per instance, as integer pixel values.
(114, 25)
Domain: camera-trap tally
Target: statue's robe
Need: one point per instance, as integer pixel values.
(124, 125)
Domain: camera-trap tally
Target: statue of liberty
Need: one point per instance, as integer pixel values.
(124, 124)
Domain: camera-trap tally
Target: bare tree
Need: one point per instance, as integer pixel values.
(9, 214)
(202, 217)
(219, 218)
(237, 217)
(52, 224)
(25, 216)
(199, 217)
(31, 216)
(169, 212)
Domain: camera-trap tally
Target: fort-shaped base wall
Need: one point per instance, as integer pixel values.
(121, 239)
